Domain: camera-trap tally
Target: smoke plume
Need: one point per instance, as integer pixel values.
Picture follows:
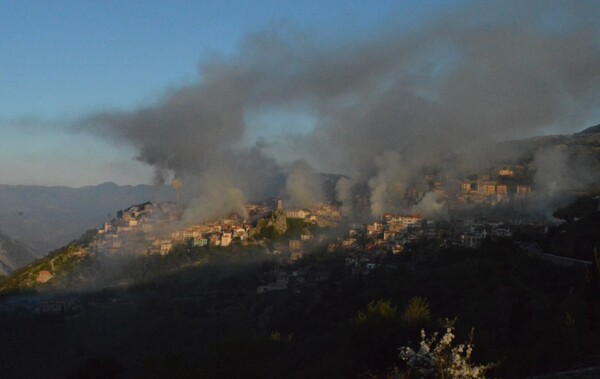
(343, 194)
(389, 185)
(383, 107)
(558, 176)
(303, 187)
(430, 207)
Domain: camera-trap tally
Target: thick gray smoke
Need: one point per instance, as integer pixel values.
(343, 194)
(303, 186)
(383, 107)
(431, 207)
(558, 175)
(389, 185)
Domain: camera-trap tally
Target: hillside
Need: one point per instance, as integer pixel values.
(14, 254)
(46, 218)
(196, 313)
(591, 129)
(585, 143)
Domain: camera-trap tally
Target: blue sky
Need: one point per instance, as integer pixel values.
(63, 59)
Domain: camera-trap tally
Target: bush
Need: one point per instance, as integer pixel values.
(417, 311)
(377, 310)
(437, 358)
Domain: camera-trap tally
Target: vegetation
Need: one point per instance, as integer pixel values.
(417, 311)
(195, 313)
(436, 358)
(577, 237)
(66, 265)
(376, 311)
(273, 226)
(279, 228)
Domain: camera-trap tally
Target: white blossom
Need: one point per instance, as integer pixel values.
(438, 358)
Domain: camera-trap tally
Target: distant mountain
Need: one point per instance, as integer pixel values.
(14, 254)
(46, 218)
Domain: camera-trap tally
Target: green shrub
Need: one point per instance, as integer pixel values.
(377, 310)
(417, 311)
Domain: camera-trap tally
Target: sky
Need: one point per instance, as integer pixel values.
(66, 61)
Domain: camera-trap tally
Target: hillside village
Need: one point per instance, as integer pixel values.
(287, 234)
(320, 255)
(156, 229)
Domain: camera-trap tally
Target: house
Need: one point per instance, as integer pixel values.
(468, 186)
(105, 229)
(296, 255)
(349, 242)
(214, 240)
(240, 233)
(297, 213)
(395, 227)
(374, 228)
(226, 239)
(397, 248)
(165, 247)
(295, 245)
(116, 243)
(44, 276)
(471, 240)
(147, 228)
(523, 190)
(306, 236)
(200, 242)
(410, 219)
(328, 211)
(487, 188)
(191, 233)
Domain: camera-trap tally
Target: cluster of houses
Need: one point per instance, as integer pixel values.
(392, 233)
(135, 229)
(488, 187)
(326, 215)
(491, 191)
(155, 228)
(501, 187)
